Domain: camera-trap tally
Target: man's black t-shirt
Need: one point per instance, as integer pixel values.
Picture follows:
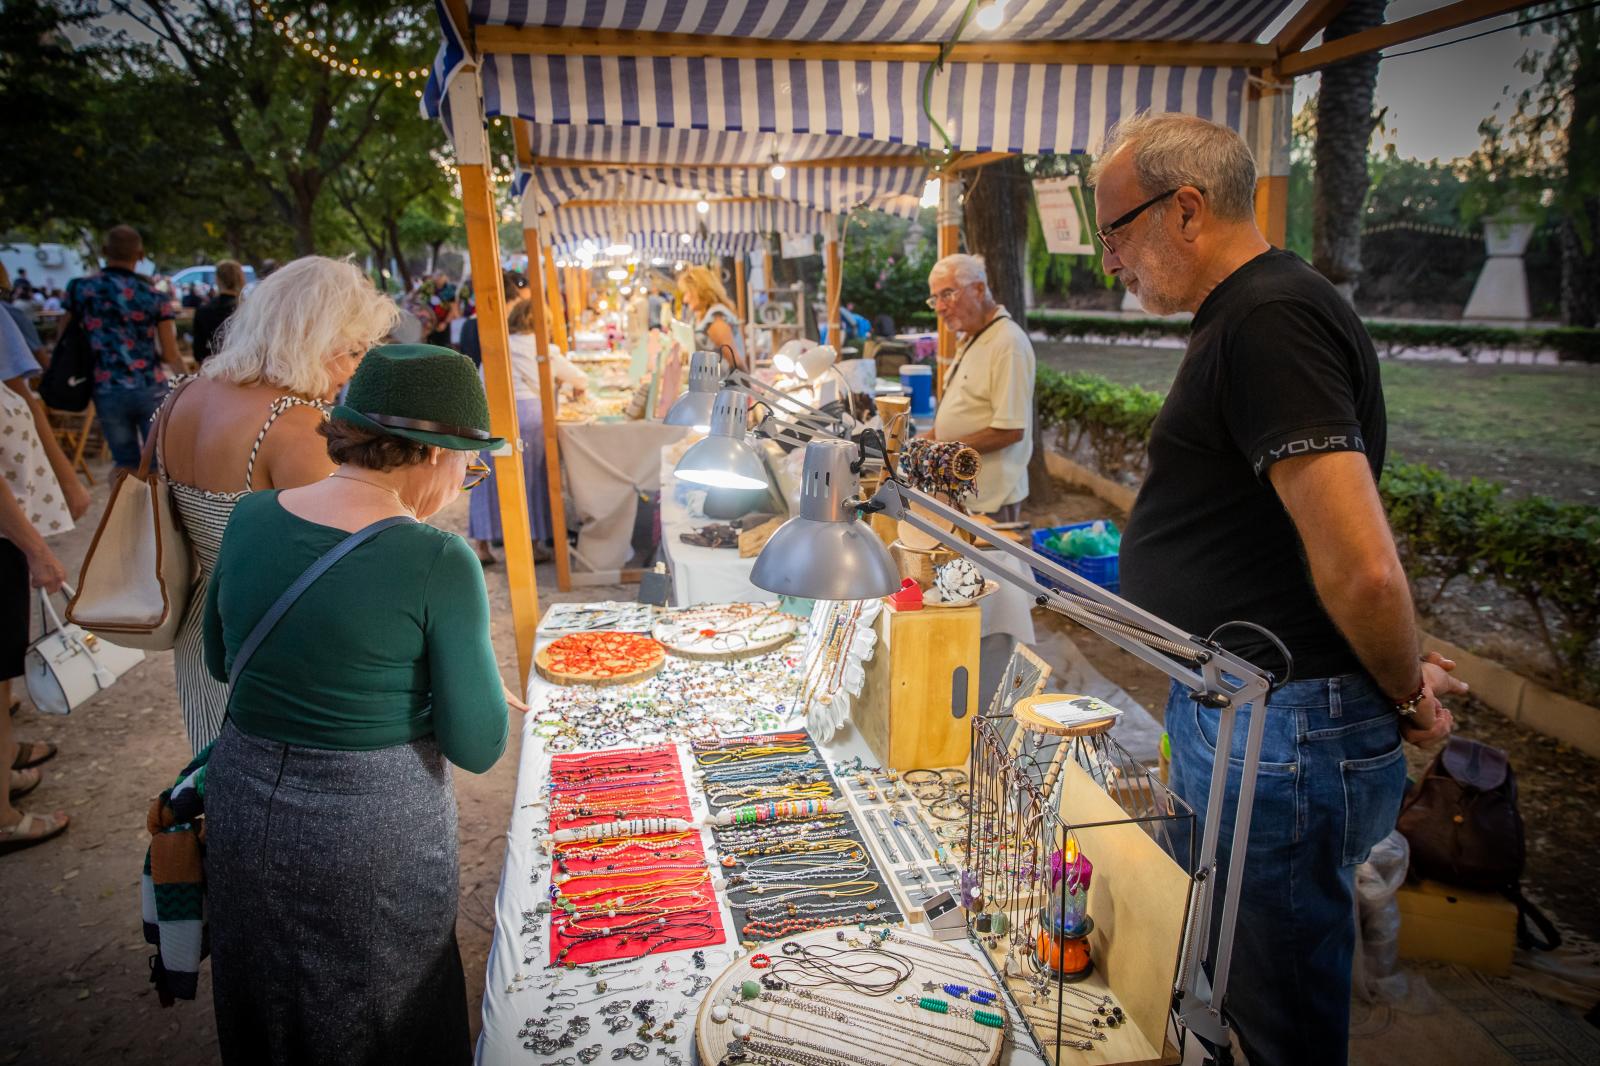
(1278, 365)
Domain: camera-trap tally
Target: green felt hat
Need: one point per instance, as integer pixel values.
(423, 393)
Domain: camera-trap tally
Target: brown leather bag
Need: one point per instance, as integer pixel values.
(1464, 828)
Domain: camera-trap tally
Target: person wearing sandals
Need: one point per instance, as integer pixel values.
(331, 818)
(40, 496)
(249, 421)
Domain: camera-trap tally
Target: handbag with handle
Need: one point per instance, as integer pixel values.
(67, 667)
(139, 573)
(67, 384)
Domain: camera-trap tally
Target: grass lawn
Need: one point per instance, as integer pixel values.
(1536, 428)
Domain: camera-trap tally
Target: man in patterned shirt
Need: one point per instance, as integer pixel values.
(125, 318)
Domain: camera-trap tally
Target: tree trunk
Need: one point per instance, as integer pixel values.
(399, 256)
(996, 214)
(1344, 129)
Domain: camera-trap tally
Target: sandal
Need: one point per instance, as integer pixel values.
(32, 829)
(25, 781)
(32, 753)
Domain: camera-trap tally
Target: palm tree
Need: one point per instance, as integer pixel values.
(1344, 128)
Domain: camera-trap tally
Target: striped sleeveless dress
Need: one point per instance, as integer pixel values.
(205, 516)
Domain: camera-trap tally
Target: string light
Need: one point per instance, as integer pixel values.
(328, 54)
(703, 206)
(990, 16)
(684, 238)
(778, 171)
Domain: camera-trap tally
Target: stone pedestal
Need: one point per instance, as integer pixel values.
(1501, 292)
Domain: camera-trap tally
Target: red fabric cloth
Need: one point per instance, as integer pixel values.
(648, 783)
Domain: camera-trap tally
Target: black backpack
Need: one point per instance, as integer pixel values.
(68, 382)
(1464, 829)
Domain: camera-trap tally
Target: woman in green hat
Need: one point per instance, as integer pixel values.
(331, 819)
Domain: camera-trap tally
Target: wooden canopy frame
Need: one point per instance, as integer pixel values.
(1275, 64)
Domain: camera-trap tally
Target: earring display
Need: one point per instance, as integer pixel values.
(886, 998)
(915, 862)
(725, 630)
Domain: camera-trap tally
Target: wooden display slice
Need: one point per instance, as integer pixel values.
(1037, 722)
(776, 630)
(876, 1045)
(650, 653)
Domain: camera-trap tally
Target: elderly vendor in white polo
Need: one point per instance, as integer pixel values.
(987, 399)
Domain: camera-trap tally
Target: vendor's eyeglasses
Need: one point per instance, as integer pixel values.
(1104, 232)
(943, 296)
(477, 471)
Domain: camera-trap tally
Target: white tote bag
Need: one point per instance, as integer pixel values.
(68, 666)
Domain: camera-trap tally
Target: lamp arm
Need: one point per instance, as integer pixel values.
(1193, 661)
(794, 409)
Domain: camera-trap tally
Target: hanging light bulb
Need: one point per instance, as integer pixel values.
(684, 238)
(991, 15)
(619, 248)
(778, 171)
(617, 273)
(703, 206)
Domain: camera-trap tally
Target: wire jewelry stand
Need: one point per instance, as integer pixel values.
(1114, 1009)
(1216, 677)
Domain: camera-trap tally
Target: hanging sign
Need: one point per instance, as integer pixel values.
(1061, 215)
(799, 245)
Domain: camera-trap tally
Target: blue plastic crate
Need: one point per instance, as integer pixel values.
(1101, 569)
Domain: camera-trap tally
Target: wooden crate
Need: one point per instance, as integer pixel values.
(905, 712)
(1440, 923)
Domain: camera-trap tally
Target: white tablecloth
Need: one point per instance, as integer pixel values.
(512, 994)
(607, 465)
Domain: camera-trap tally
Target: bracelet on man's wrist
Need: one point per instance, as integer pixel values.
(1407, 708)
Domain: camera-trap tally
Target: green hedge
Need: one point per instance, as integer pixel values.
(1544, 552)
(1112, 420)
(1569, 344)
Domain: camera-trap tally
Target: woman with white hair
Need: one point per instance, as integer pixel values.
(249, 421)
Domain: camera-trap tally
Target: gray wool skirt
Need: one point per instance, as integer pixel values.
(332, 885)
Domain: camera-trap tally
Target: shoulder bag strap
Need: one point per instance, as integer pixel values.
(281, 607)
(158, 432)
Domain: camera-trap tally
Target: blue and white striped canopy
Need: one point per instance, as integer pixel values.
(748, 221)
(983, 106)
(674, 163)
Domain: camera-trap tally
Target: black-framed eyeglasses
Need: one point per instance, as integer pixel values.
(477, 472)
(1104, 232)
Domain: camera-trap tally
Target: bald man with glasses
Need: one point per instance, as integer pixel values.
(987, 398)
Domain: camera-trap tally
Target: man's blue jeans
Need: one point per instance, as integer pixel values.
(125, 416)
(1331, 778)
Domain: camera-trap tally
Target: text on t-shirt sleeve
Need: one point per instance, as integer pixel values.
(1288, 386)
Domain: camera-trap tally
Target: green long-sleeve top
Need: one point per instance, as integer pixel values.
(389, 645)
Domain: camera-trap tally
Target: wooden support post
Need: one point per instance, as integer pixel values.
(1272, 127)
(547, 395)
(483, 246)
(743, 296)
(574, 317)
(552, 280)
(949, 222)
(833, 281)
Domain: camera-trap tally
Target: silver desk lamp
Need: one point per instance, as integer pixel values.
(826, 553)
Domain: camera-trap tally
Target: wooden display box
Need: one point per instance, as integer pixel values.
(1440, 923)
(905, 713)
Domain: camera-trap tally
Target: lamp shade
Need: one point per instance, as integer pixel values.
(824, 553)
(724, 459)
(814, 361)
(693, 408)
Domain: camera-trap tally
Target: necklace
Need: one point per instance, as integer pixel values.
(407, 508)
